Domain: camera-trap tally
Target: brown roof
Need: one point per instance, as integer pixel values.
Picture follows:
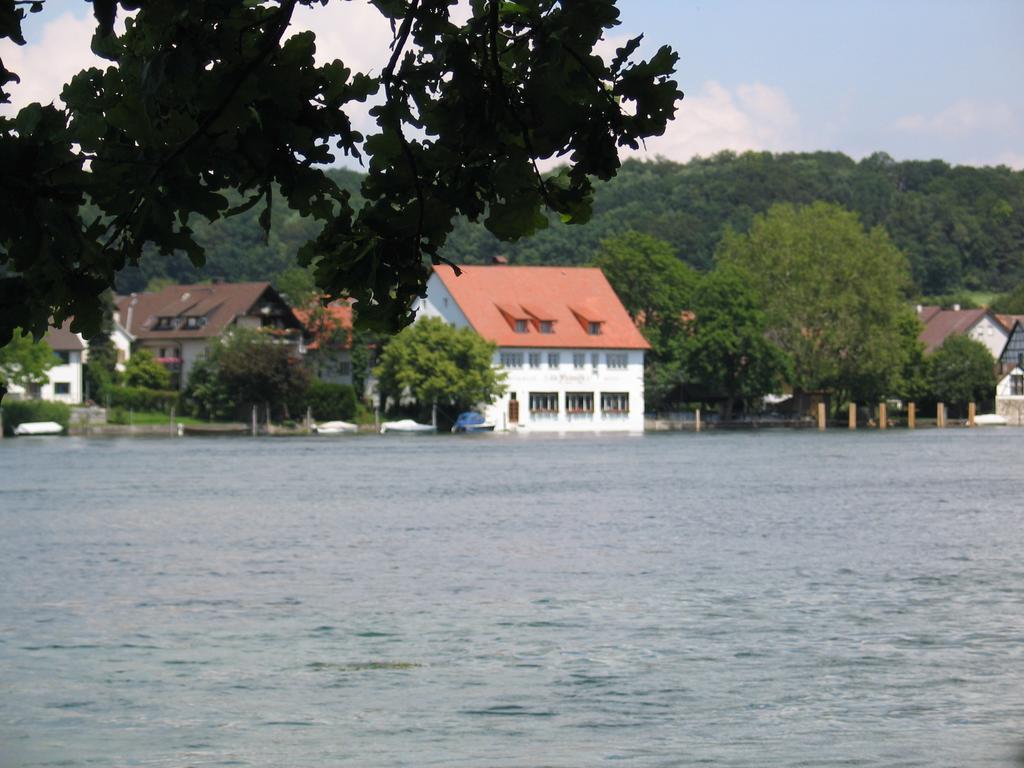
(940, 323)
(219, 303)
(63, 339)
(1007, 321)
(494, 297)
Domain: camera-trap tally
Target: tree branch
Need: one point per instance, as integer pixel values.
(500, 85)
(387, 76)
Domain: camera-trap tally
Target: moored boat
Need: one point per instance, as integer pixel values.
(38, 428)
(990, 420)
(334, 427)
(405, 425)
(471, 421)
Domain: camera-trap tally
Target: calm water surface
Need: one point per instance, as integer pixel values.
(774, 599)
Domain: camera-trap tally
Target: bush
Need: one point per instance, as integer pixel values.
(21, 411)
(140, 399)
(330, 402)
(142, 371)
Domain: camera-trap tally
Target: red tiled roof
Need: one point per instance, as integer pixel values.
(219, 303)
(940, 323)
(338, 311)
(492, 297)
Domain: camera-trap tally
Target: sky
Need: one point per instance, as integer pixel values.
(919, 79)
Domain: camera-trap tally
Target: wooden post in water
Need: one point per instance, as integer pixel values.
(697, 420)
(972, 411)
(171, 428)
(883, 416)
(853, 415)
(940, 415)
(254, 420)
(1, 423)
(911, 415)
(309, 418)
(821, 417)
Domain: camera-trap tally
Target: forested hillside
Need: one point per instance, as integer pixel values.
(962, 228)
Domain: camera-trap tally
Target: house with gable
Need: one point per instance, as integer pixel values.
(178, 322)
(329, 348)
(979, 324)
(64, 379)
(1013, 350)
(573, 357)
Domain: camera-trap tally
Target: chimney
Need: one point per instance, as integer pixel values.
(956, 307)
(920, 308)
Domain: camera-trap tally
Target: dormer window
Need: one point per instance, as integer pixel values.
(547, 326)
(192, 323)
(520, 326)
(594, 329)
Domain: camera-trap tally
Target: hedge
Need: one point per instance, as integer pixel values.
(21, 411)
(329, 402)
(140, 399)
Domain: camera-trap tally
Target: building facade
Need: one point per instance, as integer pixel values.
(64, 378)
(1010, 397)
(978, 324)
(573, 358)
(178, 322)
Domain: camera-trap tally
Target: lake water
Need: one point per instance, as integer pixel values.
(772, 599)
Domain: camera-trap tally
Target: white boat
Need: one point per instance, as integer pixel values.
(39, 428)
(334, 427)
(406, 425)
(990, 420)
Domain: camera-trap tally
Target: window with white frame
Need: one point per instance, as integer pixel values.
(579, 403)
(1017, 385)
(615, 403)
(534, 359)
(61, 388)
(521, 326)
(579, 360)
(547, 326)
(595, 360)
(617, 359)
(543, 403)
(594, 329)
(554, 360)
(512, 359)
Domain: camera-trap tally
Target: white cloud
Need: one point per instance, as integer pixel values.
(753, 116)
(354, 32)
(45, 65)
(958, 120)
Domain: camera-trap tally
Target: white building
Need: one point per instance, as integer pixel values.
(978, 324)
(1010, 397)
(573, 357)
(64, 379)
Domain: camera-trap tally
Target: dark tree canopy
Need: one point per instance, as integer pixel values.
(207, 109)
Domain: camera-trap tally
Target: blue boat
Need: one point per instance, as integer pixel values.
(471, 421)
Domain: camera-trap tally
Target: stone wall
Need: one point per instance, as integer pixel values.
(1012, 409)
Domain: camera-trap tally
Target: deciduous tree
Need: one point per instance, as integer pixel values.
(961, 370)
(725, 351)
(433, 362)
(143, 370)
(835, 296)
(655, 287)
(208, 108)
(24, 362)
